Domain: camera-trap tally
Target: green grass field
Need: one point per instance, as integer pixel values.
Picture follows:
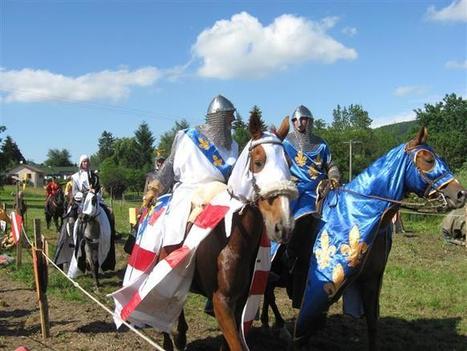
(425, 281)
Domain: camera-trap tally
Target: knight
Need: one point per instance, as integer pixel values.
(199, 155)
(311, 164)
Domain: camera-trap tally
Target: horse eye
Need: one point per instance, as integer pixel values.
(430, 161)
(258, 163)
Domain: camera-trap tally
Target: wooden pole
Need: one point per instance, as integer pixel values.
(40, 277)
(19, 245)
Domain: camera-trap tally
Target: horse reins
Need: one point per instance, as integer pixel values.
(412, 205)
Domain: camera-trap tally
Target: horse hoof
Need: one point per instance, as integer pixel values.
(285, 335)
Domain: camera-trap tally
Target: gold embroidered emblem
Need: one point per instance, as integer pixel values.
(216, 161)
(313, 172)
(203, 143)
(338, 277)
(355, 251)
(318, 160)
(300, 159)
(325, 252)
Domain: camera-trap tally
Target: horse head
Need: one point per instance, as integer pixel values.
(261, 176)
(429, 176)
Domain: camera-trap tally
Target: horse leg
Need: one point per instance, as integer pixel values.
(265, 309)
(227, 323)
(167, 343)
(92, 251)
(370, 295)
(179, 336)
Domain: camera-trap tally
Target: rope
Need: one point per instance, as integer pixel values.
(104, 307)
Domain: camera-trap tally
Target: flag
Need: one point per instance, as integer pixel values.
(16, 226)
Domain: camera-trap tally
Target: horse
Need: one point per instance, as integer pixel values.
(54, 209)
(93, 241)
(377, 193)
(219, 259)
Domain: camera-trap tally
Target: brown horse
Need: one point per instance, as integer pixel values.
(224, 264)
(369, 279)
(55, 208)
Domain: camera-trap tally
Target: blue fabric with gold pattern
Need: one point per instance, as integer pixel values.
(309, 168)
(349, 223)
(210, 151)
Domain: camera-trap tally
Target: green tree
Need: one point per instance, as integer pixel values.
(11, 155)
(58, 158)
(144, 145)
(240, 132)
(105, 145)
(447, 128)
(124, 153)
(258, 111)
(113, 177)
(166, 140)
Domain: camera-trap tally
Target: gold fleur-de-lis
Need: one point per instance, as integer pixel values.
(300, 159)
(318, 160)
(203, 143)
(216, 161)
(355, 251)
(313, 172)
(338, 277)
(325, 252)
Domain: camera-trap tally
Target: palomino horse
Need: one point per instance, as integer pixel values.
(362, 210)
(54, 209)
(224, 264)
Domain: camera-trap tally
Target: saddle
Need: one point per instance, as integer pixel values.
(202, 195)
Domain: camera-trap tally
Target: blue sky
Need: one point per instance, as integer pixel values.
(71, 69)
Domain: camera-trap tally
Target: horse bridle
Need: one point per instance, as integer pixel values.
(408, 205)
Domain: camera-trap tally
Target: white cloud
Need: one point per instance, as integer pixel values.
(349, 31)
(456, 64)
(243, 48)
(27, 85)
(401, 117)
(409, 90)
(456, 11)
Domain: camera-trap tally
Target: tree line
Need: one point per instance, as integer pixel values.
(124, 162)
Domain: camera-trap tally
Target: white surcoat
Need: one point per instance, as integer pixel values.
(191, 169)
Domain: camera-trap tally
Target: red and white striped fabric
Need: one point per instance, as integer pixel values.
(148, 241)
(16, 226)
(156, 297)
(258, 285)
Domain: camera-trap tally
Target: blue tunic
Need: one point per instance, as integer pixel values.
(309, 168)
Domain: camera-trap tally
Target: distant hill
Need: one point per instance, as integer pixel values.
(400, 129)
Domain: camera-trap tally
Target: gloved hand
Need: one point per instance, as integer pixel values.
(154, 188)
(78, 196)
(335, 183)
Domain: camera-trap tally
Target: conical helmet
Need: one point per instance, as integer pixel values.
(220, 104)
(301, 112)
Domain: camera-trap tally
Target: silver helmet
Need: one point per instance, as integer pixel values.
(218, 121)
(301, 139)
(301, 112)
(220, 104)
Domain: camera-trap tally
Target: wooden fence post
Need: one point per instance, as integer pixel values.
(19, 244)
(40, 277)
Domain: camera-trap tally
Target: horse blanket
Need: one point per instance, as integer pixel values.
(154, 293)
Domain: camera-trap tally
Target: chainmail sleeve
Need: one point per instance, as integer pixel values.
(333, 172)
(166, 175)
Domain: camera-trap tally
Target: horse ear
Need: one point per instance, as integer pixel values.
(254, 125)
(419, 139)
(283, 128)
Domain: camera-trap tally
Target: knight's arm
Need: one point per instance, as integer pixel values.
(332, 169)
(165, 176)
